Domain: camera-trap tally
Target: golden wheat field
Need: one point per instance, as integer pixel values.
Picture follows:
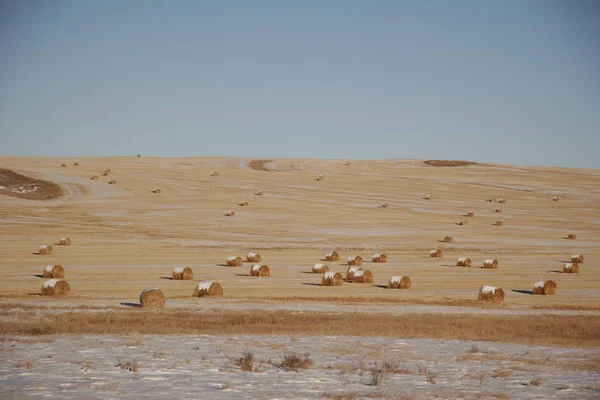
(126, 238)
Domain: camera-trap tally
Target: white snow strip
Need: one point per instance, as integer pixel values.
(49, 268)
(353, 269)
(396, 279)
(232, 258)
(488, 289)
(329, 275)
(256, 267)
(147, 290)
(204, 285)
(540, 284)
(50, 283)
(178, 270)
(359, 273)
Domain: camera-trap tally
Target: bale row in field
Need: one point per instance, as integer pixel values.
(399, 282)
(333, 256)
(577, 258)
(320, 268)
(463, 262)
(182, 274)
(490, 293)
(64, 241)
(355, 260)
(208, 289)
(332, 279)
(571, 268)
(544, 287)
(490, 264)
(253, 257)
(55, 287)
(53, 271)
(260, 270)
(45, 250)
(152, 298)
(379, 258)
(437, 253)
(234, 261)
(230, 214)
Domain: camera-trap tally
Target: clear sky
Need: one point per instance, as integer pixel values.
(514, 82)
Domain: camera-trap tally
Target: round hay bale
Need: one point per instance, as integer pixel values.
(499, 223)
(156, 190)
(76, 164)
(259, 270)
(332, 279)
(208, 289)
(253, 257)
(234, 261)
(54, 271)
(463, 262)
(347, 163)
(448, 239)
(490, 293)
(437, 253)
(94, 177)
(152, 298)
(45, 250)
(384, 205)
(139, 155)
(544, 287)
(319, 178)
(470, 214)
(572, 236)
(108, 170)
(320, 268)
(333, 256)
(427, 197)
(55, 287)
(350, 273)
(498, 210)
(243, 203)
(230, 214)
(355, 260)
(555, 198)
(63, 165)
(182, 274)
(491, 200)
(105, 173)
(113, 182)
(362, 276)
(259, 193)
(214, 174)
(64, 241)
(379, 258)
(399, 282)
(577, 258)
(464, 222)
(571, 268)
(501, 200)
(490, 264)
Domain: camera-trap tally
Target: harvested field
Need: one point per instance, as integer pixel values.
(24, 187)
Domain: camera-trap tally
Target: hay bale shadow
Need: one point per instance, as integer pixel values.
(242, 274)
(37, 253)
(39, 276)
(135, 305)
(380, 286)
(448, 265)
(306, 272)
(34, 294)
(221, 265)
(166, 277)
(312, 284)
(522, 291)
(554, 272)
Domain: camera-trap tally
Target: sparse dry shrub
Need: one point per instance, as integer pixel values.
(129, 365)
(292, 361)
(246, 361)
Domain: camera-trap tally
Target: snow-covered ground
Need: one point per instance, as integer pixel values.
(204, 367)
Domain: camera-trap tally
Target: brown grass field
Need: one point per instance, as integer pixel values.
(125, 238)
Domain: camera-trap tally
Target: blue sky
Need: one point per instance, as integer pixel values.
(513, 82)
